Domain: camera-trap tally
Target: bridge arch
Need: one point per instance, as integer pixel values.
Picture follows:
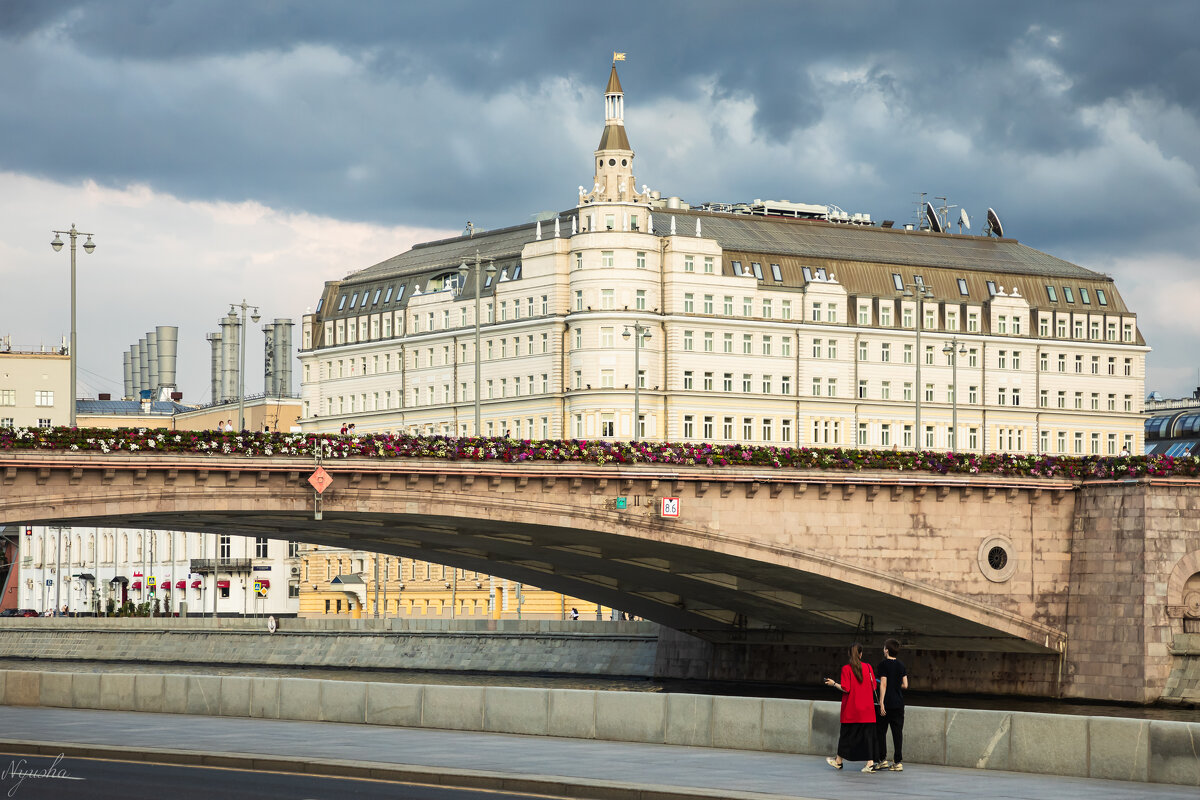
(803, 557)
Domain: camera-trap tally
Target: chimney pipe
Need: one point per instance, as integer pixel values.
(269, 375)
(168, 348)
(283, 357)
(152, 363)
(217, 365)
(127, 366)
(144, 365)
(136, 366)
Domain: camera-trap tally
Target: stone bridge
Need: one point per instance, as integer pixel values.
(1031, 585)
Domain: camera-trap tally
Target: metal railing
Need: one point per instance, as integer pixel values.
(206, 565)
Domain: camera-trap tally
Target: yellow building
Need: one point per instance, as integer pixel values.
(340, 582)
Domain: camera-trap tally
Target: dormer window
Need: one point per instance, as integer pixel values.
(353, 300)
(1051, 293)
(897, 282)
(320, 303)
(342, 303)
(991, 287)
(1083, 296)
(807, 273)
(962, 287)
(387, 297)
(757, 267)
(400, 292)
(376, 298)
(1100, 298)
(737, 268)
(775, 273)
(821, 274)
(516, 273)
(1069, 294)
(504, 273)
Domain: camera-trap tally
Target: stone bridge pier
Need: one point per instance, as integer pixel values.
(994, 584)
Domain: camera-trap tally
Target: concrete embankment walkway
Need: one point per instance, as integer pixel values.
(536, 764)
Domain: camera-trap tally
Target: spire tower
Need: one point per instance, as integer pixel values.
(613, 181)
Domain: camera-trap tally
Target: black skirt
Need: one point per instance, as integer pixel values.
(857, 741)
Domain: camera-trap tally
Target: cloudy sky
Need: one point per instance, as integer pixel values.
(221, 149)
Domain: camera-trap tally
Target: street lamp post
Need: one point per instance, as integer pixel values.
(254, 317)
(88, 247)
(463, 270)
(642, 334)
(922, 293)
(954, 349)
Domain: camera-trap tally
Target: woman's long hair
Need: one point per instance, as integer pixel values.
(856, 661)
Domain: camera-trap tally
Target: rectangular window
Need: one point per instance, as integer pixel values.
(816, 348)
(708, 304)
(747, 381)
(767, 384)
(641, 260)
(1068, 294)
(727, 383)
(747, 344)
(606, 258)
(1101, 298)
(708, 428)
(816, 312)
(786, 309)
(885, 316)
(43, 397)
(776, 274)
(747, 307)
(687, 340)
(748, 428)
(757, 268)
(689, 303)
(897, 281)
(1051, 294)
(727, 343)
(831, 348)
(639, 301)
(831, 387)
(766, 345)
(708, 265)
(579, 300)
(862, 390)
(785, 384)
(885, 434)
(687, 379)
(816, 387)
(708, 341)
(607, 299)
(785, 346)
(689, 263)
(689, 426)
(728, 306)
(8, 397)
(579, 261)
(972, 322)
(885, 390)
(885, 352)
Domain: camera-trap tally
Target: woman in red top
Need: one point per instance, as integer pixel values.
(857, 740)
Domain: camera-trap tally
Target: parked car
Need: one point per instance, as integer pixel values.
(27, 612)
(8, 612)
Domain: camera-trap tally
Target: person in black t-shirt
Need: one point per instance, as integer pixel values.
(893, 680)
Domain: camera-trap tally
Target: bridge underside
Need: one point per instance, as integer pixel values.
(708, 594)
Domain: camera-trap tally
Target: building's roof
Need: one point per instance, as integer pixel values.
(129, 408)
(614, 138)
(614, 83)
(827, 240)
(744, 233)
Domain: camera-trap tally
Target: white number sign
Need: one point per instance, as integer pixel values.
(670, 507)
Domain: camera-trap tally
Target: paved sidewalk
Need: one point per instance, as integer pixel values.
(567, 767)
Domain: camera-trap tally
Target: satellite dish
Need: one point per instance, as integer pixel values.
(963, 220)
(935, 224)
(993, 224)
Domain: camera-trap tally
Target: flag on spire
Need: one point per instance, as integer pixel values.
(618, 57)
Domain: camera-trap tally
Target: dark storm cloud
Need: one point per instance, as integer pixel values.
(1078, 121)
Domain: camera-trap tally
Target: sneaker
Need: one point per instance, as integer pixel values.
(871, 768)
(897, 767)
(833, 762)
(885, 764)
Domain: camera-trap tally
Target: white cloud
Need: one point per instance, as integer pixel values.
(160, 260)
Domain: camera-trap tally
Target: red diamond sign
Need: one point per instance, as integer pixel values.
(320, 480)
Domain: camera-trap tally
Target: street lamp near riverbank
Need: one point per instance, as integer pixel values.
(88, 247)
(463, 270)
(953, 349)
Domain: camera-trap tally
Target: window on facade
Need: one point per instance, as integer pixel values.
(689, 426)
(785, 346)
(641, 260)
(689, 303)
(864, 314)
(606, 258)
(607, 299)
(708, 265)
(687, 340)
(640, 300)
(897, 281)
(757, 268)
(776, 274)
(43, 397)
(689, 265)
(1083, 296)
(1101, 298)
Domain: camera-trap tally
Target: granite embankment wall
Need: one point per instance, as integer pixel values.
(547, 647)
(1098, 747)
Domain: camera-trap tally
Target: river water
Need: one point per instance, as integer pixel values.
(912, 698)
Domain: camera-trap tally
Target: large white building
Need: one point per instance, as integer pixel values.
(93, 570)
(764, 328)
